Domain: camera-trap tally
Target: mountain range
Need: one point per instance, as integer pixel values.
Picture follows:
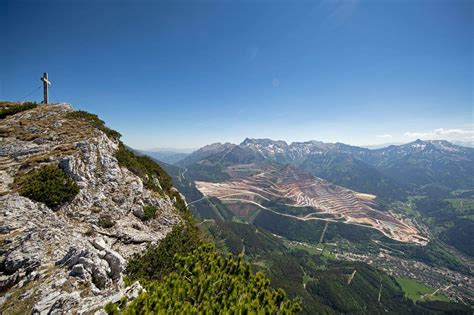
(391, 173)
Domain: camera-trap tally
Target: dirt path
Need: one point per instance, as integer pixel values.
(380, 290)
(324, 232)
(184, 172)
(206, 220)
(305, 218)
(205, 197)
(351, 277)
(436, 291)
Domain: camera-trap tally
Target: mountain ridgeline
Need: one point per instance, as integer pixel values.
(393, 172)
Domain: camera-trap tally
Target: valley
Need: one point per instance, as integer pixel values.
(453, 285)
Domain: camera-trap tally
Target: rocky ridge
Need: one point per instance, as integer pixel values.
(296, 152)
(65, 260)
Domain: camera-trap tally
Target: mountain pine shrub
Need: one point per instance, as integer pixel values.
(149, 171)
(159, 260)
(184, 275)
(15, 108)
(145, 168)
(49, 184)
(149, 212)
(206, 283)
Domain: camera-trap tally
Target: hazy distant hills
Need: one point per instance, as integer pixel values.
(225, 152)
(170, 157)
(209, 162)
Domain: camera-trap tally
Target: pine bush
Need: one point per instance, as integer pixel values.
(49, 184)
(149, 212)
(159, 260)
(15, 108)
(206, 283)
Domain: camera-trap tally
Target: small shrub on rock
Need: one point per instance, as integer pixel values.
(90, 232)
(149, 212)
(106, 222)
(49, 184)
(178, 201)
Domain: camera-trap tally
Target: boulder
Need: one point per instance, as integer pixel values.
(78, 271)
(137, 211)
(116, 262)
(99, 243)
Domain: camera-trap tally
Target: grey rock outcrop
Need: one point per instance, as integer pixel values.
(65, 261)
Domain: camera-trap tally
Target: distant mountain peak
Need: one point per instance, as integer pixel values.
(217, 146)
(423, 145)
(262, 141)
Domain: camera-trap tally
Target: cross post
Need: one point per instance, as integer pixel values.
(46, 84)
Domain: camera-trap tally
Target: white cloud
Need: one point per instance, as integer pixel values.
(441, 133)
(384, 136)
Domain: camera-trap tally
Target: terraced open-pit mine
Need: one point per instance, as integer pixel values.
(288, 192)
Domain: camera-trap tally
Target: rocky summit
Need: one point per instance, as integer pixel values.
(71, 258)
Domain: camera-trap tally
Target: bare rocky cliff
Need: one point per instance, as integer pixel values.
(66, 260)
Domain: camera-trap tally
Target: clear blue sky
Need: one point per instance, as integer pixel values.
(187, 73)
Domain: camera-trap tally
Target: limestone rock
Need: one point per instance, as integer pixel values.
(99, 243)
(116, 263)
(62, 260)
(137, 210)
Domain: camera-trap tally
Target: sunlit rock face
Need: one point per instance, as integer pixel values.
(65, 260)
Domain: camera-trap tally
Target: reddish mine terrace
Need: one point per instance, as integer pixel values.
(258, 185)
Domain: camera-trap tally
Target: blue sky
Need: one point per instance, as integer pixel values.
(188, 73)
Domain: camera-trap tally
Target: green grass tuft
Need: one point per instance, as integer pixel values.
(94, 121)
(106, 222)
